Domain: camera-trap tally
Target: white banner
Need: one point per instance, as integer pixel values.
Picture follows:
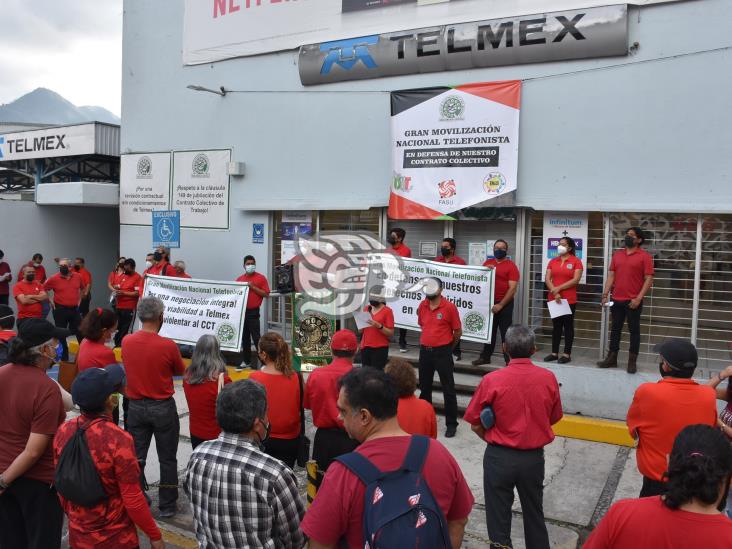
(48, 143)
(144, 186)
(558, 225)
(214, 30)
(469, 288)
(201, 188)
(194, 307)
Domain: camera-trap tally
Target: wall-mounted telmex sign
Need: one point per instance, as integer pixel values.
(48, 143)
(574, 34)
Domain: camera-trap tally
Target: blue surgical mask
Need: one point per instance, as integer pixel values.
(250, 269)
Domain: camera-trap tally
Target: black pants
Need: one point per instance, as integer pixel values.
(438, 359)
(376, 357)
(501, 322)
(147, 418)
(250, 335)
(84, 305)
(124, 321)
(402, 337)
(284, 449)
(619, 312)
(503, 470)
(652, 487)
(3, 299)
(328, 444)
(30, 516)
(563, 324)
(67, 317)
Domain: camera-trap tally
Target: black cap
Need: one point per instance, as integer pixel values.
(680, 354)
(35, 331)
(92, 387)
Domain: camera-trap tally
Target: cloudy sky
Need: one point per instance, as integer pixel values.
(73, 47)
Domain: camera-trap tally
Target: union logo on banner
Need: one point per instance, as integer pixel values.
(447, 189)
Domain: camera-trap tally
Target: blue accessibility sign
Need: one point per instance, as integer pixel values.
(257, 233)
(166, 228)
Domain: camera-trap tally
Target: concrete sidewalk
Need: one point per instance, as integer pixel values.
(582, 480)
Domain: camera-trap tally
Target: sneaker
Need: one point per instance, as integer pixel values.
(551, 358)
(563, 359)
(451, 431)
(481, 360)
(402, 348)
(243, 366)
(168, 513)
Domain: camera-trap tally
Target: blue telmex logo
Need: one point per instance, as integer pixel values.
(2, 142)
(347, 53)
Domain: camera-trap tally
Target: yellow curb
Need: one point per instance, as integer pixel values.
(177, 539)
(596, 430)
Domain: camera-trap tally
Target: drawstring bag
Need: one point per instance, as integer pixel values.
(77, 478)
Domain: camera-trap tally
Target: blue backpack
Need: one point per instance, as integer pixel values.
(399, 508)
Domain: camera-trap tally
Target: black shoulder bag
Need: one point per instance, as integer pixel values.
(77, 478)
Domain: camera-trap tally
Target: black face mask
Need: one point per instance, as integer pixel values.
(77, 267)
(128, 271)
(391, 240)
(629, 241)
(157, 256)
(374, 303)
(445, 252)
(30, 277)
(499, 253)
(64, 270)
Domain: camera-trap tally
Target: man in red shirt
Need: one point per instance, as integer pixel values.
(180, 270)
(151, 361)
(397, 247)
(367, 402)
(258, 290)
(86, 277)
(67, 287)
(37, 263)
(441, 331)
(629, 278)
(525, 402)
(112, 522)
(506, 284)
(660, 410)
(447, 253)
(29, 295)
(320, 396)
(5, 277)
(127, 293)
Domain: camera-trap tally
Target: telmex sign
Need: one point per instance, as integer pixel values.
(48, 143)
(575, 34)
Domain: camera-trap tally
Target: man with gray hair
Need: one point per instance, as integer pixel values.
(513, 410)
(150, 363)
(242, 497)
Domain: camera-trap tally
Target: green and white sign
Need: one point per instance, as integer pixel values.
(194, 307)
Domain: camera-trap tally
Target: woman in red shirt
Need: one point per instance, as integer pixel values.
(415, 416)
(97, 328)
(202, 382)
(284, 396)
(375, 338)
(114, 278)
(563, 273)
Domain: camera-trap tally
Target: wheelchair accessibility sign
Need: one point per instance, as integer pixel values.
(166, 228)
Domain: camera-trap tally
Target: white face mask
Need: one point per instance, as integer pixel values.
(148, 264)
(36, 264)
(250, 268)
(562, 249)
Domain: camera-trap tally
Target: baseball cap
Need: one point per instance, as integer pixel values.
(92, 387)
(35, 331)
(680, 354)
(344, 340)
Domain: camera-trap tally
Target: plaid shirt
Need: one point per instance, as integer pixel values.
(242, 497)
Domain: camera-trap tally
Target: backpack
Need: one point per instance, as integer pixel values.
(77, 478)
(399, 508)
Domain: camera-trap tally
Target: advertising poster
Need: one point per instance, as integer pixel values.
(558, 225)
(453, 147)
(144, 187)
(201, 188)
(194, 307)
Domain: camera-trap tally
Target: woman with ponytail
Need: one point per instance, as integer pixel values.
(98, 329)
(689, 514)
(283, 397)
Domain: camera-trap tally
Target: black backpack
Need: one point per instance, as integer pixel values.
(77, 478)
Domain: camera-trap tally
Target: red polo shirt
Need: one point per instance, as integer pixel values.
(28, 288)
(162, 269)
(564, 272)
(373, 337)
(321, 393)
(85, 275)
(525, 400)
(630, 271)
(150, 362)
(184, 275)
(454, 260)
(66, 291)
(40, 272)
(506, 270)
(94, 354)
(129, 283)
(417, 416)
(438, 324)
(114, 278)
(254, 301)
(400, 250)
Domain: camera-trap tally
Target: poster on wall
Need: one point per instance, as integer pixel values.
(195, 307)
(561, 224)
(453, 147)
(201, 188)
(144, 187)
